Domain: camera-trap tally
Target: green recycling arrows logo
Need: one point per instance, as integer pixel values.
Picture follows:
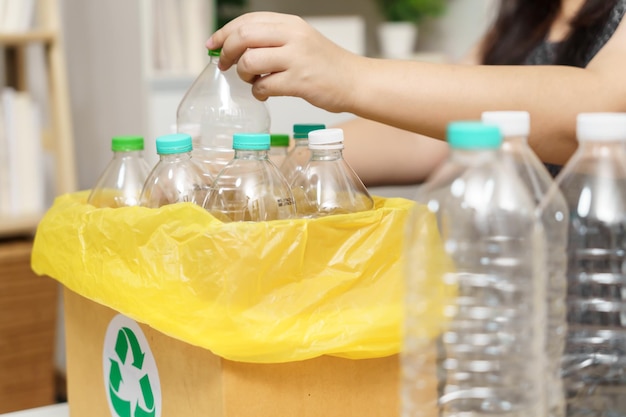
(131, 379)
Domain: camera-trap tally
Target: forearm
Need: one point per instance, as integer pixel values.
(383, 155)
(431, 95)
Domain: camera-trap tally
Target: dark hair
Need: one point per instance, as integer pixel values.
(522, 24)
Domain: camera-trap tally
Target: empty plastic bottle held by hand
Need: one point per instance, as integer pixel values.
(250, 187)
(327, 184)
(176, 177)
(121, 182)
(217, 105)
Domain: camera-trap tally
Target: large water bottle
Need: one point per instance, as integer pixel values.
(121, 182)
(250, 187)
(176, 177)
(300, 154)
(217, 105)
(327, 184)
(475, 314)
(553, 213)
(594, 185)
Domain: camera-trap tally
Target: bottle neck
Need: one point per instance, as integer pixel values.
(301, 142)
(127, 154)
(214, 60)
(473, 157)
(250, 154)
(326, 154)
(515, 142)
(175, 157)
(602, 148)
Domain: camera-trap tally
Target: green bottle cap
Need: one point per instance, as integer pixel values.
(173, 143)
(301, 131)
(279, 139)
(251, 141)
(214, 52)
(473, 135)
(126, 143)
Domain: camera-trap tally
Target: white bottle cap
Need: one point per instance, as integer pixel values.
(510, 123)
(601, 126)
(326, 139)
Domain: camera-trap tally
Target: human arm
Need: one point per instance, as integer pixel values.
(385, 155)
(417, 96)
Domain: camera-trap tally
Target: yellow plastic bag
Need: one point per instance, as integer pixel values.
(264, 292)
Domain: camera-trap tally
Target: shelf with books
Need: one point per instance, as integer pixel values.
(36, 145)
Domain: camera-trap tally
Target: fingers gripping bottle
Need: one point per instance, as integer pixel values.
(176, 177)
(300, 154)
(474, 307)
(553, 214)
(217, 105)
(250, 187)
(122, 180)
(594, 185)
(327, 184)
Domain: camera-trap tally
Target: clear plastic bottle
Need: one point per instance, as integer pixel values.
(553, 213)
(327, 184)
(594, 184)
(279, 148)
(250, 187)
(474, 307)
(176, 177)
(217, 105)
(121, 182)
(300, 154)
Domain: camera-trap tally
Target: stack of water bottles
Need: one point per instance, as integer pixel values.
(528, 318)
(524, 317)
(220, 160)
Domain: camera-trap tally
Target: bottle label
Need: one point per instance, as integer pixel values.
(282, 202)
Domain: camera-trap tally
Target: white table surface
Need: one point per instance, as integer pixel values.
(57, 410)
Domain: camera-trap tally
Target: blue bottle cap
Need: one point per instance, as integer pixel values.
(473, 135)
(251, 141)
(301, 131)
(173, 143)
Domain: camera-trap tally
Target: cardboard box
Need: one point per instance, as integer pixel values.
(28, 305)
(106, 351)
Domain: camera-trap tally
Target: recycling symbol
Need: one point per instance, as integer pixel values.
(131, 379)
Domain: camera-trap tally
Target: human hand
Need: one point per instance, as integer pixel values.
(282, 55)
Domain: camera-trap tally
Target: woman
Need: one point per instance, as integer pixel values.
(552, 58)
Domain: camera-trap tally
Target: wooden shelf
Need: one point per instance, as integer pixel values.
(16, 39)
(25, 225)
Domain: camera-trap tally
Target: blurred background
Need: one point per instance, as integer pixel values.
(97, 69)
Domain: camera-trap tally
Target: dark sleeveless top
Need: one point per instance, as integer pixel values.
(545, 52)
